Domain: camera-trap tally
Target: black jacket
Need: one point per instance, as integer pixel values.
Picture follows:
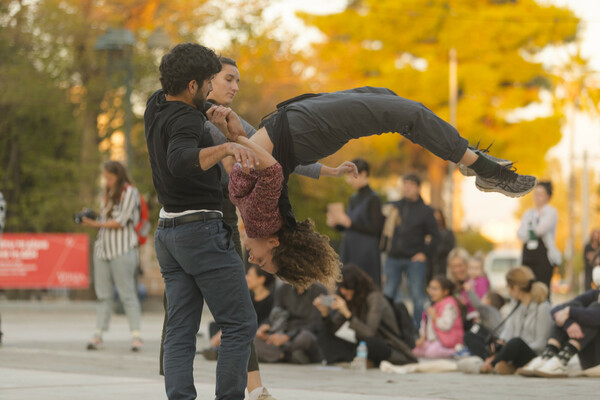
(416, 223)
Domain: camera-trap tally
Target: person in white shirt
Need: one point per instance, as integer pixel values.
(538, 234)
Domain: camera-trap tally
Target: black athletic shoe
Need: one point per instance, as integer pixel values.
(467, 171)
(507, 182)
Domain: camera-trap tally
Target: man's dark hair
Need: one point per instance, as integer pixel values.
(227, 60)
(361, 165)
(184, 63)
(413, 178)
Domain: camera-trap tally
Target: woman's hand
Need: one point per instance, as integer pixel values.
(341, 306)
(317, 302)
(263, 332)
(420, 341)
(215, 341)
(347, 167)
(468, 285)
(217, 115)
(278, 339)
(487, 366)
(92, 223)
(560, 317)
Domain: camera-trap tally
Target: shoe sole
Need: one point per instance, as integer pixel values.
(495, 189)
(529, 373)
(541, 374)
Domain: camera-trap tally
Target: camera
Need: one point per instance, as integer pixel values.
(78, 217)
(327, 301)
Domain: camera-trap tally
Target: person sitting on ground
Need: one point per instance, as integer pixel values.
(291, 333)
(576, 330)
(371, 317)
(260, 284)
(489, 317)
(313, 126)
(527, 328)
(458, 267)
(441, 329)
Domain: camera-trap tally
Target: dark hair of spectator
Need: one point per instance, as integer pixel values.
(547, 185)
(354, 278)
(269, 278)
(413, 178)
(184, 63)
(228, 61)
(445, 283)
(496, 300)
(362, 165)
(113, 195)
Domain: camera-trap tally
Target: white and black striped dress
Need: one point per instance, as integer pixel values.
(112, 243)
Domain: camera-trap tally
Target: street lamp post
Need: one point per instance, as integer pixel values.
(118, 43)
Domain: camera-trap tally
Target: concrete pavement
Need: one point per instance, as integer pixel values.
(44, 357)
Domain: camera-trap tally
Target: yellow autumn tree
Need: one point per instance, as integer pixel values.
(405, 46)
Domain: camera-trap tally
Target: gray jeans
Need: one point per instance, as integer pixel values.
(321, 125)
(198, 263)
(121, 271)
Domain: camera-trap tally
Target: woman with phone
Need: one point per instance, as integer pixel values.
(371, 317)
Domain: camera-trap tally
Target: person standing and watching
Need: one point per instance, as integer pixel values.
(115, 252)
(2, 214)
(361, 224)
(438, 263)
(410, 249)
(538, 234)
(592, 249)
(193, 245)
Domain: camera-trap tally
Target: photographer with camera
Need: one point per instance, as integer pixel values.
(371, 317)
(115, 253)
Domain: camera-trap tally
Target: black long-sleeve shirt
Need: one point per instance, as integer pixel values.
(416, 222)
(175, 135)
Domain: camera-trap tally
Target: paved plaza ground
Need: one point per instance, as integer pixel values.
(44, 357)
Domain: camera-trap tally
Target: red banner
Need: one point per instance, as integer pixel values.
(44, 261)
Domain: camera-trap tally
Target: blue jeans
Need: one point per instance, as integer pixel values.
(198, 262)
(415, 273)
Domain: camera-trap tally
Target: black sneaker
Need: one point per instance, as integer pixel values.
(468, 171)
(507, 182)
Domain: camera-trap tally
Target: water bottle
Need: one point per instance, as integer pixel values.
(361, 357)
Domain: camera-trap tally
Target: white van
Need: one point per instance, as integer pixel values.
(498, 263)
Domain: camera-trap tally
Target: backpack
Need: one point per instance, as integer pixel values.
(405, 323)
(143, 226)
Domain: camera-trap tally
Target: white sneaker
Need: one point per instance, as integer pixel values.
(553, 368)
(265, 395)
(532, 366)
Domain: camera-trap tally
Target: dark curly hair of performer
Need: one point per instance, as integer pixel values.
(304, 256)
(184, 63)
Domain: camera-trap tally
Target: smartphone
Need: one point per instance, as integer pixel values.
(327, 301)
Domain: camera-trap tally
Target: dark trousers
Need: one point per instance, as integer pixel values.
(337, 350)
(589, 355)
(198, 263)
(213, 329)
(515, 352)
(321, 125)
(476, 344)
(305, 341)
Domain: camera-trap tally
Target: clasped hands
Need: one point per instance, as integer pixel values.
(227, 121)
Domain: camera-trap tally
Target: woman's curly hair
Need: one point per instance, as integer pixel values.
(304, 257)
(184, 63)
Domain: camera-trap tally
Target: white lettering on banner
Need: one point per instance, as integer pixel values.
(22, 249)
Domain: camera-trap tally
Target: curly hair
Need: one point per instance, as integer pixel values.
(304, 257)
(184, 63)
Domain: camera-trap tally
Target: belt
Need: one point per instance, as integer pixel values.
(186, 219)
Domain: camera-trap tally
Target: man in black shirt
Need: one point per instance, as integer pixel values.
(410, 247)
(193, 246)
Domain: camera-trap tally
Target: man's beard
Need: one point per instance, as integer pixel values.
(199, 100)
